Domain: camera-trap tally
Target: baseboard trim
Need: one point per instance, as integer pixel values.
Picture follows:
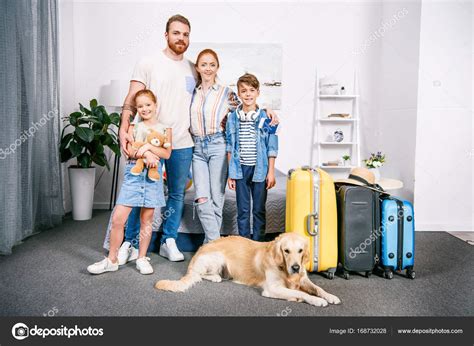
(441, 228)
(101, 205)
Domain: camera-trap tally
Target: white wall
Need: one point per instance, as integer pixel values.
(101, 41)
(394, 128)
(401, 107)
(443, 170)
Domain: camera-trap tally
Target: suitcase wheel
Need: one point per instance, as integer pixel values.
(330, 275)
(346, 275)
(410, 274)
(368, 274)
(388, 275)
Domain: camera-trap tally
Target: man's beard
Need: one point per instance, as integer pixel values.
(178, 49)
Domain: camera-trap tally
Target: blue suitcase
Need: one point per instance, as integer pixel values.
(398, 237)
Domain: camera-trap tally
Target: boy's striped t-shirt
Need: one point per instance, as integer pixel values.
(248, 143)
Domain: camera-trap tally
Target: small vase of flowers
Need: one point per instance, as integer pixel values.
(374, 162)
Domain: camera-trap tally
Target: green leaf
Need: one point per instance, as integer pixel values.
(107, 139)
(115, 118)
(92, 120)
(84, 160)
(101, 160)
(85, 134)
(74, 118)
(98, 134)
(65, 154)
(79, 141)
(99, 148)
(93, 103)
(97, 127)
(75, 149)
(84, 109)
(64, 129)
(101, 113)
(65, 141)
(115, 148)
(105, 115)
(98, 112)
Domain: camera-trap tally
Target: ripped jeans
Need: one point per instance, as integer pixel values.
(210, 179)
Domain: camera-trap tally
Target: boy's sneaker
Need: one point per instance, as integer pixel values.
(144, 266)
(127, 253)
(169, 250)
(103, 266)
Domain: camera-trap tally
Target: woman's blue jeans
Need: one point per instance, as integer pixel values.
(209, 178)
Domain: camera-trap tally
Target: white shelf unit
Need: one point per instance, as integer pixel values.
(323, 147)
(335, 143)
(336, 120)
(338, 96)
(338, 167)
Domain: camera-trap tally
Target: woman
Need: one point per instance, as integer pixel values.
(210, 104)
(209, 107)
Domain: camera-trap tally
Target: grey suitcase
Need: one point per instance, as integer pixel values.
(358, 217)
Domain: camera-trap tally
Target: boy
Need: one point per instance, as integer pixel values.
(252, 147)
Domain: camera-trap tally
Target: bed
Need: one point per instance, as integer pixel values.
(190, 224)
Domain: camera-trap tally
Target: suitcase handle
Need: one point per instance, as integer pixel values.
(316, 223)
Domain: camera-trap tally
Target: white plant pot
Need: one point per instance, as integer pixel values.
(81, 181)
(376, 173)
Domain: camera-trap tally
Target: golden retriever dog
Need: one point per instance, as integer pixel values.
(278, 267)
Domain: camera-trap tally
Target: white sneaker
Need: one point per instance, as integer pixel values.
(144, 266)
(170, 251)
(127, 253)
(103, 266)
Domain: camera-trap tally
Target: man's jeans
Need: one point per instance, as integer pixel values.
(177, 171)
(245, 188)
(210, 177)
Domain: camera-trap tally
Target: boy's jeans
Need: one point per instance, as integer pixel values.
(245, 188)
(210, 177)
(177, 170)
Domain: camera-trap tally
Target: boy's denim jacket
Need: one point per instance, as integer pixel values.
(267, 146)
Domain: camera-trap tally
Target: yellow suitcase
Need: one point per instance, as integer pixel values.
(311, 210)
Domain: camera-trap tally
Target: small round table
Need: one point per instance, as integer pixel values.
(390, 184)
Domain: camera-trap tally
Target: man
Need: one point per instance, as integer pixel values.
(171, 77)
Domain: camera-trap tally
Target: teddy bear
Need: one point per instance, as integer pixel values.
(156, 139)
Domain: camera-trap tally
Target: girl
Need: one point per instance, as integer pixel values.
(138, 190)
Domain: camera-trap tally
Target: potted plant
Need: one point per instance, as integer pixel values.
(346, 158)
(91, 133)
(374, 162)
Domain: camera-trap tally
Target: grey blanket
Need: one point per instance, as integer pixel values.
(190, 222)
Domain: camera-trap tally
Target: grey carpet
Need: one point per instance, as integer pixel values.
(47, 275)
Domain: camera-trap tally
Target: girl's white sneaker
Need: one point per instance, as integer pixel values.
(103, 266)
(127, 253)
(144, 266)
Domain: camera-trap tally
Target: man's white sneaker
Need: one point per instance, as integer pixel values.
(127, 253)
(103, 266)
(169, 250)
(144, 266)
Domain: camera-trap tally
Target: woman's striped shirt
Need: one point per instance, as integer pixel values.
(208, 110)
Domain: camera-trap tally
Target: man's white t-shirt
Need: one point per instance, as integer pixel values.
(173, 84)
